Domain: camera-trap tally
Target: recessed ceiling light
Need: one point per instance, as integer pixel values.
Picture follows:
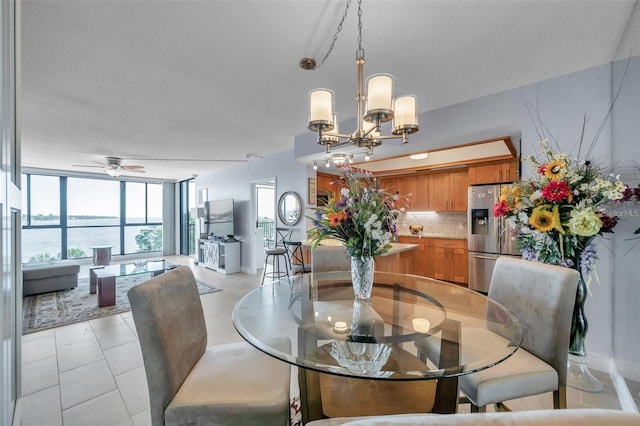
(420, 156)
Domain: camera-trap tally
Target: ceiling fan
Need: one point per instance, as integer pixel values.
(114, 167)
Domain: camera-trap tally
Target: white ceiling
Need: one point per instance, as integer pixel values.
(213, 81)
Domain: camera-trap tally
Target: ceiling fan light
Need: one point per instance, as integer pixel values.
(114, 171)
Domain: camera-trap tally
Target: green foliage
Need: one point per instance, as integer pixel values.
(149, 239)
(75, 253)
(42, 257)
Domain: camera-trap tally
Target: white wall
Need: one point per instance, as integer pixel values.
(626, 289)
(235, 182)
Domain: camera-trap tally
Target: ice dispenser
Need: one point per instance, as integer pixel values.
(480, 221)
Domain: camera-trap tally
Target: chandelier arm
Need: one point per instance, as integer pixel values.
(389, 137)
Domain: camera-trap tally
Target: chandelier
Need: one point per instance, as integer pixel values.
(374, 107)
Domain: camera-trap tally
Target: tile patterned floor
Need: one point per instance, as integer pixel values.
(91, 373)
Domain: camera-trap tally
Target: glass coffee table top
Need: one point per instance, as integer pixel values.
(140, 267)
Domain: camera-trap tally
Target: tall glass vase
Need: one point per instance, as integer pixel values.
(578, 375)
(362, 276)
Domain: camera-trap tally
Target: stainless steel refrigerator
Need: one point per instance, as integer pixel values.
(488, 237)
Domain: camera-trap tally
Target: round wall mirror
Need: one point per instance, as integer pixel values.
(290, 208)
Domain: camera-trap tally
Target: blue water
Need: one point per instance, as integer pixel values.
(47, 241)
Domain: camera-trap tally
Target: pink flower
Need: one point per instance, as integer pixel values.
(500, 209)
(557, 190)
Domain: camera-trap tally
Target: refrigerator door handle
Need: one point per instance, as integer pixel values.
(484, 257)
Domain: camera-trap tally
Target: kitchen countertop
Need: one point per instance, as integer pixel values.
(445, 236)
(395, 247)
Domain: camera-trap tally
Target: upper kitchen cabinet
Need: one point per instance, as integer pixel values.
(498, 172)
(448, 191)
(326, 187)
(406, 186)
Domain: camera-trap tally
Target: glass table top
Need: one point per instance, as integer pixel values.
(413, 328)
(127, 269)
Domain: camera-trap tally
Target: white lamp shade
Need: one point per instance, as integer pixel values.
(334, 121)
(379, 92)
(321, 106)
(405, 112)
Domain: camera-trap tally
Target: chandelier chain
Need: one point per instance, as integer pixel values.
(360, 53)
(335, 36)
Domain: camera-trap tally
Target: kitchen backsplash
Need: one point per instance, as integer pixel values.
(446, 224)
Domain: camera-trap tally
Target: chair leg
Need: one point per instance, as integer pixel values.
(264, 269)
(500, 406)
(476, 409)
(560, 398)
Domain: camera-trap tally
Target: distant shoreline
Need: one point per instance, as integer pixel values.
(80, 216)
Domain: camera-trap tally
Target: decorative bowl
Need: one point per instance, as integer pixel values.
(363, 359)
(415, 229)
(139, 263)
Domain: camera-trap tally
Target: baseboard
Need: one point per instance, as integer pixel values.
(246, 270)
(622, 390)
(628, 370)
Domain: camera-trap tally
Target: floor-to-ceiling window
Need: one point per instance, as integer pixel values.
(188, 217)
(65, 216)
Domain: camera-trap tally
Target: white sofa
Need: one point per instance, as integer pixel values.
(582, 417)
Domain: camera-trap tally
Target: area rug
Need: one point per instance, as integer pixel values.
(55, 309)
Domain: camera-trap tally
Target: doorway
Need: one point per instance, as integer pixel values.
(264, 213)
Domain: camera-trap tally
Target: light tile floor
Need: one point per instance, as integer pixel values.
(91, 373)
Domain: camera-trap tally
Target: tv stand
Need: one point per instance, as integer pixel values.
(223, 257)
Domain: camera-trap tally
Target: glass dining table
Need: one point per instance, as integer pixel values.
(412, 329)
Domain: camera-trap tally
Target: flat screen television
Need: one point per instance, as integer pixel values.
(219, 217)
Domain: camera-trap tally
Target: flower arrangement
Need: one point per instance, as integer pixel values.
(363, 217)
(561, 209)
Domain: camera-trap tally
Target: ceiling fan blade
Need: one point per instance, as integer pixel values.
(126, 169)
(86, 165)
(132, 167)
(97, 162)
(186, 159)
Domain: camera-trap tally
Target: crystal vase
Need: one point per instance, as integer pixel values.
(362, 276)
(578, 375)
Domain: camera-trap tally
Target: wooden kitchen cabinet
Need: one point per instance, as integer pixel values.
(448, 191)
(406, 186)
(504, 171)
(422, 255)
(450, 261)
(325, 185)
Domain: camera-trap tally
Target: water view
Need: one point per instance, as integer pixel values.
(41, 244)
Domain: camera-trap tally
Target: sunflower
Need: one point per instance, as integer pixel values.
(555, 170)
(545, 220)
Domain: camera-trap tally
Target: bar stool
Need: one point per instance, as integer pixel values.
(275, 254)
(282, 234)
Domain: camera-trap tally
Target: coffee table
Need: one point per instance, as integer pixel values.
(102, 279)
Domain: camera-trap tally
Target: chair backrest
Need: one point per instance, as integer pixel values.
(295, 254)
(171, 328)
(283, 234)
(542, 298)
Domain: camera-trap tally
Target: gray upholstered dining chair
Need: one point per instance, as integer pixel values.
(230, 384)
(542, 298)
